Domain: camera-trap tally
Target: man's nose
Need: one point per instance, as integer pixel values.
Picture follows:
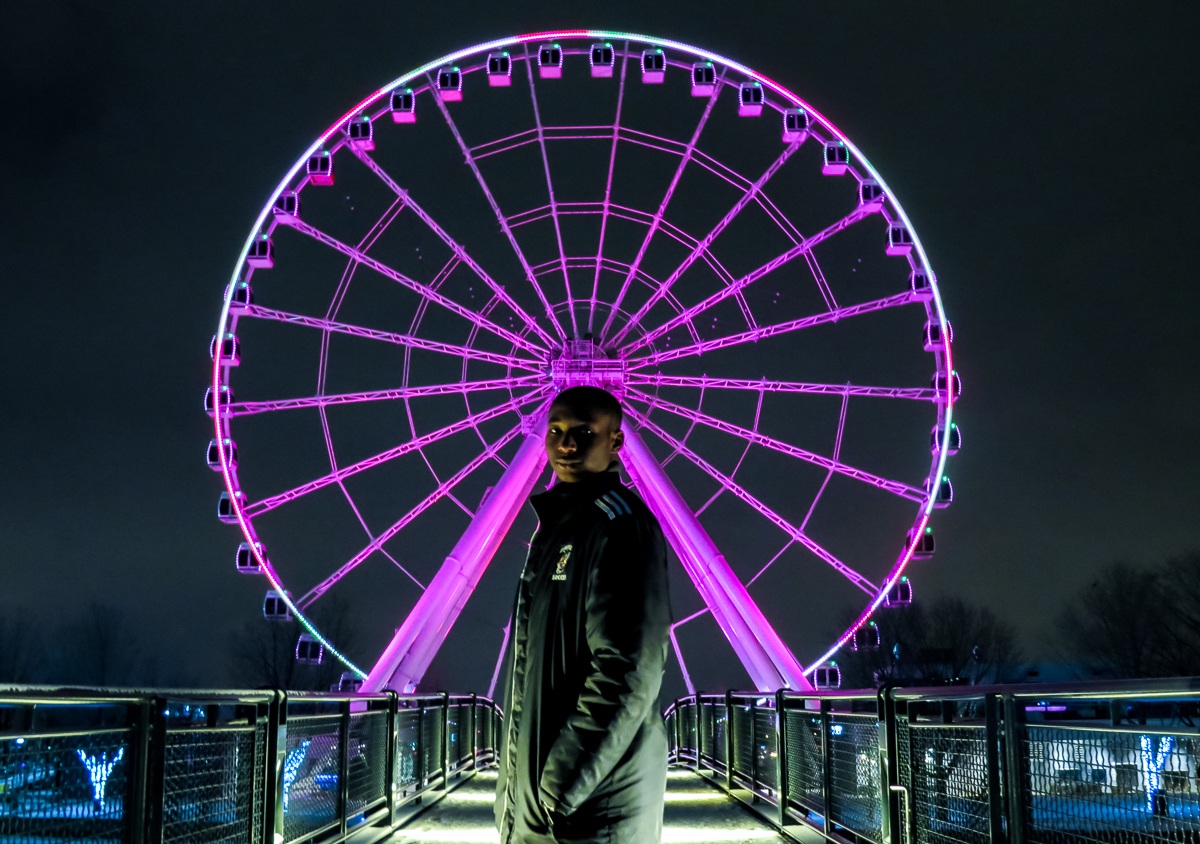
(568, 443)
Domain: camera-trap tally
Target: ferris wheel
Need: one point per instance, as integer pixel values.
(584, 207)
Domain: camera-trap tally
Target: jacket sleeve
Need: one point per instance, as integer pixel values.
(628, 625)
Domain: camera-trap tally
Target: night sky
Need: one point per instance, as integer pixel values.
(1036, 147)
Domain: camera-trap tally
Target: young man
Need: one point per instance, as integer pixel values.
(584, 750)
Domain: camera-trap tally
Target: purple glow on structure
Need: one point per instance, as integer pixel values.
(764, 655)
(443, 608)
(406, 658)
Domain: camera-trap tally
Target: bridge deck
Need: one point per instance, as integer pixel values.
(695, 813)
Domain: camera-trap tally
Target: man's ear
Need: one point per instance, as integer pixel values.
(618, 440)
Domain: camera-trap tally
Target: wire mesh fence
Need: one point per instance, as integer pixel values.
(408, 756)
(367, 761)
(854, 794)
(1076, 764)
(1096, 785)
(208, 784)
(252, 767)
(65, 787)
(949, 784)
(311, 775)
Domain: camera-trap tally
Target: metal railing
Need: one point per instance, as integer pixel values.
(1066, 764)
(259, 767)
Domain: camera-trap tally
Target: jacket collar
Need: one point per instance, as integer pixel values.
(552, 504)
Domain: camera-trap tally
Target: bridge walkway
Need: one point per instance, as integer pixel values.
(695, 813)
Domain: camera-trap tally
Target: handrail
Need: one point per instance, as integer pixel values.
(250, 766)
(1016, 764)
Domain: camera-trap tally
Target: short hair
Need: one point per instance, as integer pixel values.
(593, 400)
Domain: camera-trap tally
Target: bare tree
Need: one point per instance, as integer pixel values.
(96, 648)
(21, 651)
(947, 641)
(1180, 620)
(263, 653)
(1116, 625)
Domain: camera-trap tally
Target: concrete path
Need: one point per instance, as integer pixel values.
(695, 813)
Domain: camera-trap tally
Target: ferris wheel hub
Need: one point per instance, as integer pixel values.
(583, 362)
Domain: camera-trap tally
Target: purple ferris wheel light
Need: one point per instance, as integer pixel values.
(618, 314)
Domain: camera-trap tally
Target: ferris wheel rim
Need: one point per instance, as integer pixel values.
(237, 504)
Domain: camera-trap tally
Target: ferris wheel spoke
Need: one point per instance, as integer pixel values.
(612, 162)
(662, 206)
(749, 195)
(443, 490)
(250, 408)
(398, 339)
(541, 136)
(802, 248)
(423, 290)
(895, 487)
(756, 334)
(704, 382)
(455, 247)
(472, 421)
(737, 490)
(487, 192)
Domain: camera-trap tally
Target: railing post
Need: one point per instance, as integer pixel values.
(474, 735)
(343, 765)
(678, 732)
(889, 767)
(275, 756)
(781, 767)
(729, 747)
(150, 752)
(445, 741)
(699, 732)
(753, 751)
(1016, 769)
(389, 775)
(419, 771)
(826, 768)
(992, 755)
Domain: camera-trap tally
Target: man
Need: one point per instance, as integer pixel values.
(584, 750)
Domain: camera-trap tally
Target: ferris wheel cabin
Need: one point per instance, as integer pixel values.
(918, 282)
(944, 494)
(245, 561)
(262, 253)
(654, 66)
(925, 545)
(900, 240)
(901, 593)
(275, 608)
(704, 79)
(225, 510)
(403, 106)
(934, 335)
(550, 61)
(449, 84)
(358, 130)
(499, 70)
(348, 683)
(212, 455)
(828, 677)
(287, 207)
(320, 168)
(226, 399)
(938, 434)
(796, 122)
(309, 650)
(750, 99)
(870, 195)
(837, 159)
(600, 57)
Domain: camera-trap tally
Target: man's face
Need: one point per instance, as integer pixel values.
(580, 442)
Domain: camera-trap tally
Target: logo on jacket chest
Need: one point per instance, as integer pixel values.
(560, 568)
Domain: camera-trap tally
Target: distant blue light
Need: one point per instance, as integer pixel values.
(836, 729)
(291, 767)
(99, 768)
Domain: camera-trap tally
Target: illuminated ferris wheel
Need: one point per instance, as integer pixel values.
(584, 207)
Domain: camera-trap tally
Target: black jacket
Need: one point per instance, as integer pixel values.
(584, 749)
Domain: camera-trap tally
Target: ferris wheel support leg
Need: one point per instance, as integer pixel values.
(412, 649)
(766, 658)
